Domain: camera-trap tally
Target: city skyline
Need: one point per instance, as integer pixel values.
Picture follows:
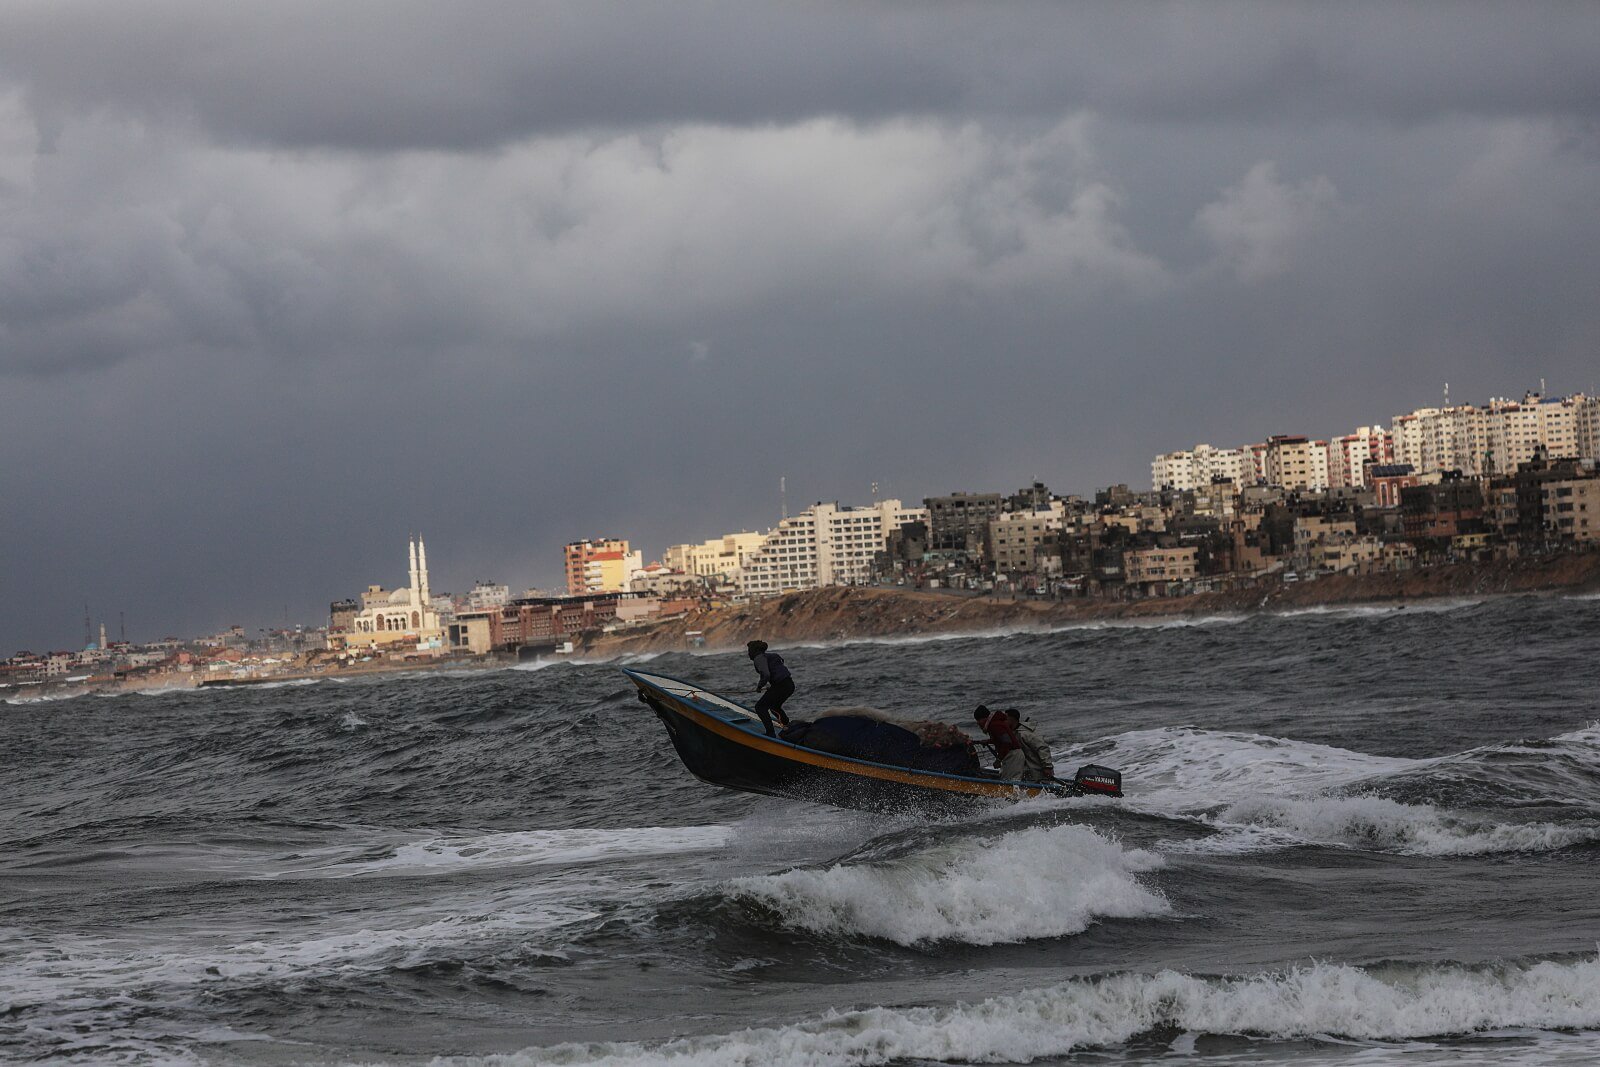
(529, 273)
(558, 584)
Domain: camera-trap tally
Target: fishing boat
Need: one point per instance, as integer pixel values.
(724, 743)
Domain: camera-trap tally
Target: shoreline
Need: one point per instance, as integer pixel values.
(843, 613)
(868, 613)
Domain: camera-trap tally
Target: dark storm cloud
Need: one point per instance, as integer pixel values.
(397, 76)
(279, 285)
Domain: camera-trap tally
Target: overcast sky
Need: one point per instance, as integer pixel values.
(278, 286)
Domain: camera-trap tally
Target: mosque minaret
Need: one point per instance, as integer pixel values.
(400, 617)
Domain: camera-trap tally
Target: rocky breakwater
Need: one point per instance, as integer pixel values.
(847, 612)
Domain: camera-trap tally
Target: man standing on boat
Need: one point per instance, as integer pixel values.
(777, 682)
(1009, 759)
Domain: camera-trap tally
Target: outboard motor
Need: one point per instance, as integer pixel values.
(1102, 781)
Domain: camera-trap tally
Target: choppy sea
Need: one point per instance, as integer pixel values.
(1354, 836)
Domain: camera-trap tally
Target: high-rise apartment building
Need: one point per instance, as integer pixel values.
(1350, 456)
(1499, 437)
(1296, 463)
(1200, 466)
(824, 545)
(960, 521)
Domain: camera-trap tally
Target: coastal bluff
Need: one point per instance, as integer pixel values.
(839, 613)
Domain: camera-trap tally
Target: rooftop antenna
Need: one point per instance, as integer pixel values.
(1447, 394)
(783, 495)
(874, 492)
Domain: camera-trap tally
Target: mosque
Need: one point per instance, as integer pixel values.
(397, 619)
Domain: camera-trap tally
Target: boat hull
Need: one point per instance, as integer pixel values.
(724, 744)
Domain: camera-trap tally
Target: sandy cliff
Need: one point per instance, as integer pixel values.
(854, 612)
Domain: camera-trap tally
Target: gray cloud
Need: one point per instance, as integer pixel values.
(396, 76)
(278, 286)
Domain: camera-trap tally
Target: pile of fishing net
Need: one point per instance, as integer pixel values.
(876, 736)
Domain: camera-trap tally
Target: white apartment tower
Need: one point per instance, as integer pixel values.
(1200, 466)
(824, 545)
(1499, 436)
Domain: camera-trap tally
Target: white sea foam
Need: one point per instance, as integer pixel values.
(1184, 769)
(1040, 628)
(530, 666)
(42, 698)
(1155, 622)
(87, 971)
(447, 853)
(1429, 606)
(989, 634)
(1589, 735)
(1386, 825)
(65, 986)
(1323, 1002)
(1035, 883)
(1267, 793)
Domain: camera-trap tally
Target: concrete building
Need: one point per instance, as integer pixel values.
(1338, 554)
(1015, 538)
(659, 580)
(1218, 500)
(1572, 510)
(825, 545)
(1296, 463)
(1588, 420)
(720, 559)
(1350, 456)
(546, 622)
(404, 618)
(1499, 437)
(486, 595)
(470, 632)
(1200, 466)
(1407, 432)
(1443, 510)
(1388, 480)
(342, 615)
(601, 566)
(960, 522)
(1154, 569)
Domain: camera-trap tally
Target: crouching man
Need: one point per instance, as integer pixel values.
(1041, 765)
(1009, 758)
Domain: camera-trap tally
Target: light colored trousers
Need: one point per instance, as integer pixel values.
(1014, 768)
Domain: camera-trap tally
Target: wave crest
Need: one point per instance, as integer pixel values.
(1317, 1002)
(1035, 883)
(1390, 826)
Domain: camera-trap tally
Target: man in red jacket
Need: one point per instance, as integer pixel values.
(1009, 758)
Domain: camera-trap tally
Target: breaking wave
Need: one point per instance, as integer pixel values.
(1037, 883)
(1188, 769)
(1317, 1002)
(1389, 826)
(1300, 793)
